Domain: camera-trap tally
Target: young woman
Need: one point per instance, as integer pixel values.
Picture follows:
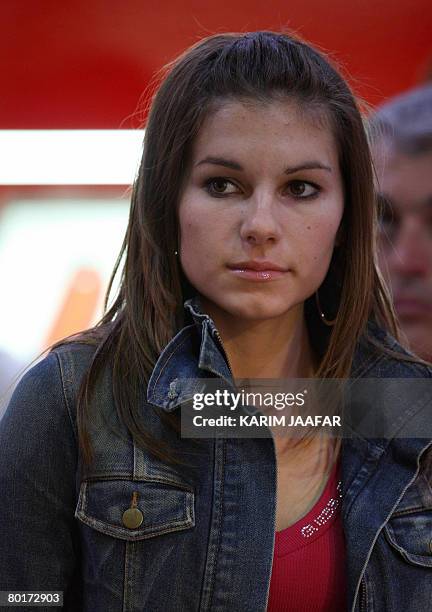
(249, 254)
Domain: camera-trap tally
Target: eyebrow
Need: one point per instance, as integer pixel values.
(233, 165)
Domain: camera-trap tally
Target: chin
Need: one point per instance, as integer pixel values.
(256, 309)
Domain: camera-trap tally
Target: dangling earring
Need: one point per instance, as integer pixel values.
(175, 252)
(321, 314)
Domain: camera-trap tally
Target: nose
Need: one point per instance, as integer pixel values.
(260, 225)
(411, 252)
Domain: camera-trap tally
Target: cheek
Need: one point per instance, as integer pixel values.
(193, 253)
(201, 240)
(317, 242)
(192, 234)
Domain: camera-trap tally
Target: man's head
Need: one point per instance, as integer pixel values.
(401, 134)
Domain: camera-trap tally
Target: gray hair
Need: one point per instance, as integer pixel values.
(405, 121)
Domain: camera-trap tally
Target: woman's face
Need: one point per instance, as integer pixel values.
(260, 209)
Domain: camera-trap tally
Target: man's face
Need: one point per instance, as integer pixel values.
(405, 184)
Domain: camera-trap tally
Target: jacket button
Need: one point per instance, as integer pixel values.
(173, 393)
(132, 518)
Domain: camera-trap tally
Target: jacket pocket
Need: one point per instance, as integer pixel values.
(105, 505)
(411, 536)
(409, 529)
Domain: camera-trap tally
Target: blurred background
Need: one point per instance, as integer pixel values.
(70, 67)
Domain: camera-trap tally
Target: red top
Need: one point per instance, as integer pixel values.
(308, 571)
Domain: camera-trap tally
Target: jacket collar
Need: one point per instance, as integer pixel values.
(195, 352)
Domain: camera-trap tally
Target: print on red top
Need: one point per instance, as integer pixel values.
(308, 573)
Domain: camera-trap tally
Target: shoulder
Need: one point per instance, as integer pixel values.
(74, 359)
(40, 419)
(49, 388)
(380, 355)
(391, 391)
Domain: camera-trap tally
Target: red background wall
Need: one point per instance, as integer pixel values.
(84, 63)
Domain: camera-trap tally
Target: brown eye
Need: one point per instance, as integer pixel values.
(220, 186)
(297, 188)
(302, 189)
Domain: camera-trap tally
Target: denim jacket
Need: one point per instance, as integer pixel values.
(207, 535)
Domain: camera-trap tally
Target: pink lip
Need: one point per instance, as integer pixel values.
(257, 270)
(258, 266)
(410, 307)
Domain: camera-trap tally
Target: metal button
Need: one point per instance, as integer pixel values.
(132, 518)
(173, 392)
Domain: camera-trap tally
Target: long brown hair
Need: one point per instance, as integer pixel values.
(148, 309)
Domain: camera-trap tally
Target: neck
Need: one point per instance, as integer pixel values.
(272, 348)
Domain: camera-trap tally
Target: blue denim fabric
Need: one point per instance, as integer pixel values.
(207, 536)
